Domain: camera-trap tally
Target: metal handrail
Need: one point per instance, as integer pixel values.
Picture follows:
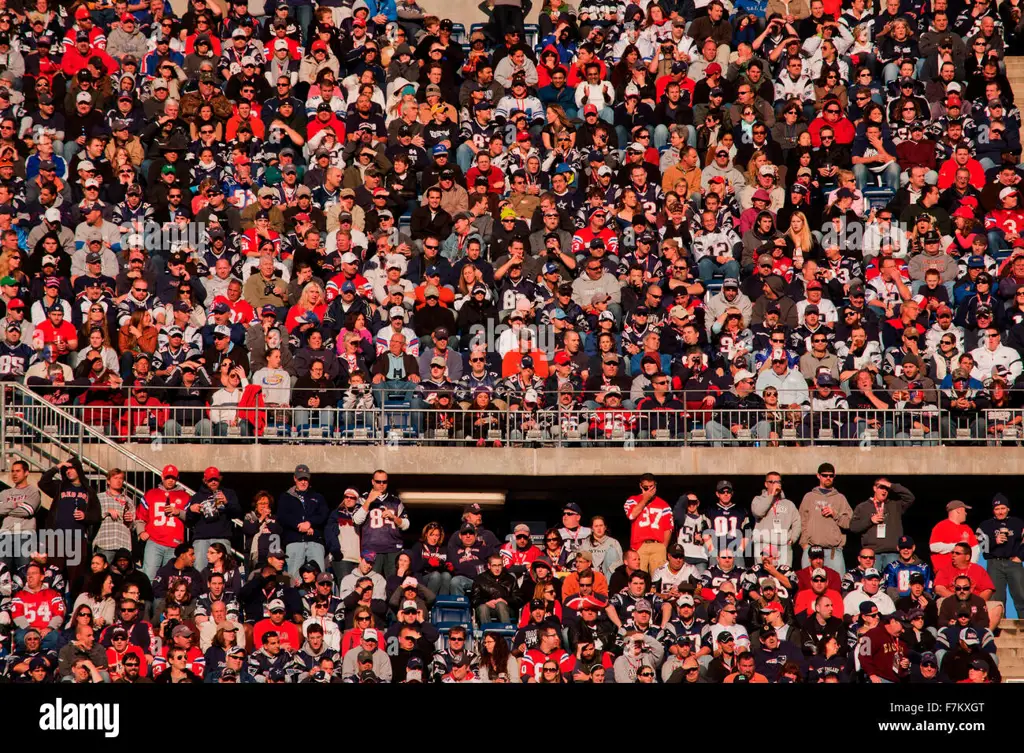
(83, 430)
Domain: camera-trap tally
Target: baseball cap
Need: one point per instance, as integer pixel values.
(905, 542)
(956, 504)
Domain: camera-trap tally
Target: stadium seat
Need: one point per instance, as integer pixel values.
(532, 34)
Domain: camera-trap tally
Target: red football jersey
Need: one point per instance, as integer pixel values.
(163, 529)
(38, 608)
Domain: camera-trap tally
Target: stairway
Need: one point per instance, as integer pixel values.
(1010, 649)
(1015, 75)
(43, 435)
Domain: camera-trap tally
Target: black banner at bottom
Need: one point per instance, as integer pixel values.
(111, 715)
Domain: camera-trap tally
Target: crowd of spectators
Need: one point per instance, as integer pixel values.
(782, 220)
(699, 591)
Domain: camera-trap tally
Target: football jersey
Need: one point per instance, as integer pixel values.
(709, 636)
(753, 576)
(37, 608)
(714, 577)
(653, 523)
(897, 575)
(163, 529)
(728, 526)
(691, 536)
(379, 534)
(14, 360)
(532, 663)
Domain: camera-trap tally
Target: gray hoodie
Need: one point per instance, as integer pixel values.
(718, 304)
(778, 525)
(818, 530)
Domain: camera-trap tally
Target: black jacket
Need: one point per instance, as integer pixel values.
(486, 587)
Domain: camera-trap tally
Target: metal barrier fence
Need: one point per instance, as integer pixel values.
(27, 418)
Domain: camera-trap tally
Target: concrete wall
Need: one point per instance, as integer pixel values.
(553, 462)
(459, 11)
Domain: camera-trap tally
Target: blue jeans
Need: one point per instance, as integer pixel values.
(708, 267)
(882, 559)
(461, 585)
(890, 176)
(202, 546)
(301, 552)
(306, 419)
(833, 559)
(996, 240)
(464, 156)
(438, 582)
(203, 429)
(156, 556)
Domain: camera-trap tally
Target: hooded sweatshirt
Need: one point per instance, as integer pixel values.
(818, 530)
(69, 497)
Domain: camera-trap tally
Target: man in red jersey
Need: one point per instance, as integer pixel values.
(652, 524)
(160, 521)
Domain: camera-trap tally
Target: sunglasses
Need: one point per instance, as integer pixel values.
(962, 589)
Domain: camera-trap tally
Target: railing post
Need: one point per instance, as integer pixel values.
(3, 429)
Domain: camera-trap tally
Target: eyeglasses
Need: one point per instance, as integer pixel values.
(826, 475)
(380, 481)
(962, 588)
(866, 556)
(362, 618)
(645, 674)
(553, 539)
(456, 639)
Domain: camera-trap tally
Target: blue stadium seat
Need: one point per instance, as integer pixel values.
(451, 611)
(878, 196)
(459, 33)
(532, 34)
(506, 629)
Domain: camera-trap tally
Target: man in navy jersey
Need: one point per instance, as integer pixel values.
(729, 524)
(381, 520)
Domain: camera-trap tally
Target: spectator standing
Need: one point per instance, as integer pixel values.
(302, 514)
(824, 517)
(879, 520)
(651, 524)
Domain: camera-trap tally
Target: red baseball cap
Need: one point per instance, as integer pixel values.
(318, 45)
(15, 303)
(590, 110)
(562, 358)
(211, 472)
(169, 471)
(523, 136)
(82, 12)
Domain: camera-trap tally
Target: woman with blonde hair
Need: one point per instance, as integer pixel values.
(312, 301)
(557, 123)
(138, 335)
(757, 159)
(801, 239)
(468, 278)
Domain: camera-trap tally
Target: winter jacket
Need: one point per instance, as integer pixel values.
(295, 507)
(213, 521)
(487, 587)
(900, 498)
